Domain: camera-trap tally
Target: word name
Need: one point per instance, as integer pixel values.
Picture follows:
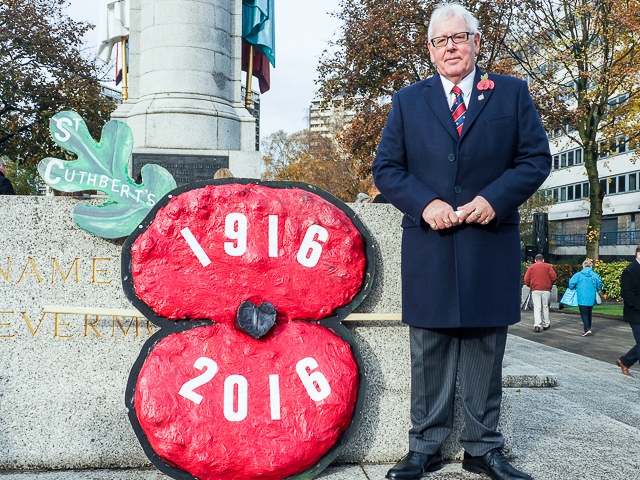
(31, 271)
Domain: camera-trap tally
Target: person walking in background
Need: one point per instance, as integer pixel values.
(460, 152)
(630, 291)
(6, 188)
(586, 283)
(540, 277)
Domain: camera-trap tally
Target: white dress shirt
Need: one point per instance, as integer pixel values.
(466, 85)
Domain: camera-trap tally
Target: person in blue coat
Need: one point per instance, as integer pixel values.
(586, 283)
(460, 152)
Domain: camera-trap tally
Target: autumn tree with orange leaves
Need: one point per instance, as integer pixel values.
(581, 60)
(311, 157)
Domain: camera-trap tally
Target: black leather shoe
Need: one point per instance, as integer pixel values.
(415, 465)
(493, 464)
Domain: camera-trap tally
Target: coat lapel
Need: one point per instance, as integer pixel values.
(479, 98)
(438, 103)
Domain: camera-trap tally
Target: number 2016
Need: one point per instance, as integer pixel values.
(236, 227)
(315, 383)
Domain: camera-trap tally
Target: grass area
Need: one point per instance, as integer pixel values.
(613, 310)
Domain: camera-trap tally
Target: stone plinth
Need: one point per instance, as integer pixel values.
(63, 376)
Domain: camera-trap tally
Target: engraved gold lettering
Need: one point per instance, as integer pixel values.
(88, 324)
(58, 325)
(26, 319)
(56, 265)
(96, 270)
(7, 325)
(149, 327)
(8, 273)
(116, 319)
(34, 272)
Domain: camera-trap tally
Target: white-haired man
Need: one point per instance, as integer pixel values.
(460, 152)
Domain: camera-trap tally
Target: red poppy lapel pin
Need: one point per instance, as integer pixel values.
(485, 83)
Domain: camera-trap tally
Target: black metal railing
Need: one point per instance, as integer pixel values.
(627, 237)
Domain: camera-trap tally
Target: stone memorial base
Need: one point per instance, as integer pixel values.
(63, 374)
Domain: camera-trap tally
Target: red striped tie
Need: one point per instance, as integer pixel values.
(458, 109)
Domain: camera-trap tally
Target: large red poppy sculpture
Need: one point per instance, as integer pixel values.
(252, 374)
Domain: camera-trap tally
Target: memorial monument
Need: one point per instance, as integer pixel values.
(184, 90)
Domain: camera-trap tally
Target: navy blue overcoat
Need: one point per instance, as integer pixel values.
(469, 275)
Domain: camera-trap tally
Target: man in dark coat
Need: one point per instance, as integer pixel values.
(630, 291)
(459, 184)
(5, 184)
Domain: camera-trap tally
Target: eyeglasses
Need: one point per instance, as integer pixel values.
(442, 41)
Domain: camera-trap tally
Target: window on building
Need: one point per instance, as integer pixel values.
(611, 182)
(622, 144)
(563, 194)
(570, 158)
(578, 191)
(585, 189)
(578, 156)
(570, 190)
(556, 162)
(633, 186)
(622, 183)
(603, 185)
(563, 160)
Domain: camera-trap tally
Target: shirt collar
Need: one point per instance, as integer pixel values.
(466, 85)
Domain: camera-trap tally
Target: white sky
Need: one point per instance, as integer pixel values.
(303, 28)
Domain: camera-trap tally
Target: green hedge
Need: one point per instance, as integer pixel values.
(609, 273)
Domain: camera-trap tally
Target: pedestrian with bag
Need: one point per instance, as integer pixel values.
(586, 283)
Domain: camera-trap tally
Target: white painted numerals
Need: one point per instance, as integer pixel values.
(310, 250)
(236, 228)
(316, 383)
(187, 390)
(236, 388)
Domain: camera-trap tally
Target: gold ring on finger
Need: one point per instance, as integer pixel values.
(477, 214)
(447, 221)
(486, 221)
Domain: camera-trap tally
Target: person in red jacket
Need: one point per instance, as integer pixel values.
(540, 277)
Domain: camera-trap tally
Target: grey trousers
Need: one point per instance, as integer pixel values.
(437, 355)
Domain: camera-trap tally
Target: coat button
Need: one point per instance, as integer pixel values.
(451, 157)
(457, 189)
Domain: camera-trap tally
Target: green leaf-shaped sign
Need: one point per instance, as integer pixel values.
(104, 167)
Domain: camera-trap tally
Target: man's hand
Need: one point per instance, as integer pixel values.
(477, 211)
(439, 214)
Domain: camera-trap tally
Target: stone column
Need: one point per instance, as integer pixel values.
(184, 106)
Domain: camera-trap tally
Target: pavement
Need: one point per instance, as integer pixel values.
(587, 427)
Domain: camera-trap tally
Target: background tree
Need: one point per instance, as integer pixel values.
(579, 55)
(311, 157)
(382, 47)
(42, 72)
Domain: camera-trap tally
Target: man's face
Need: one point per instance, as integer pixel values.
(454, 61)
